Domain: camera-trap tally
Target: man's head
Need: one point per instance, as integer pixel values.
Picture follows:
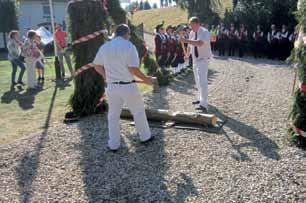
(273, 27)
(31, 34)
(58, 27)
(169, 29)
(124, 31)
(194, 23)
(13, 34)
(258, 27)
(284, 27)
(160, 28)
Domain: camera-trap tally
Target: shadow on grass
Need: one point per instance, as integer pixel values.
(26, 170)
(25, 100)
(135, 174)
(261, 142)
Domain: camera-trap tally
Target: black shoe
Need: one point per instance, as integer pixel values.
(149, 140)
(42, 78)
(202, 108)
(39, 78)
(21, 83)
(196, 102)
(112, 150)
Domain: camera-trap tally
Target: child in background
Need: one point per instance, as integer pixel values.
(40, 65)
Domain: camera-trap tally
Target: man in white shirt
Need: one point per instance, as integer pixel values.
(199, 44)
(118, 61)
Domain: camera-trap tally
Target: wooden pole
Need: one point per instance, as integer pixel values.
(179, 117)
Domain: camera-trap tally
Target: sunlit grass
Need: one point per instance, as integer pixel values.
(171, 15)
(23, 113)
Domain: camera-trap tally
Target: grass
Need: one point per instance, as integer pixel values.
(23, 113)
(171, 15)
(153, 17)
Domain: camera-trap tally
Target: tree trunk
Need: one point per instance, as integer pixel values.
(179, 117)
(86, 17)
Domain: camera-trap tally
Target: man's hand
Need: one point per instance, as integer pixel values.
(182, 39)
(148, 80)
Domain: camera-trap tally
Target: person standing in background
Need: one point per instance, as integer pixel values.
(160, 45)
(232, 40)
(14, 56)
(40, 65)
(61, 45)
(273, 40)
(31, 53)
(284, 43)
(243, 37)
(258, 37)
(213, 32)
(199, 43)
(222, 39)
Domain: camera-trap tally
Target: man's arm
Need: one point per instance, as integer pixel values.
(100, 69)
(196, 43)
(136, 72)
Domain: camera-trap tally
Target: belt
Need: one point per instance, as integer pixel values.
(123, 83)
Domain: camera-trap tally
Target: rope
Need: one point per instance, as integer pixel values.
(83, 68)
(90, 36)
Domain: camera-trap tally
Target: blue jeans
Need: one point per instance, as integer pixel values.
(15, 63)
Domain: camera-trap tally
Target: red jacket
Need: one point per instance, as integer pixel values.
(160, 44)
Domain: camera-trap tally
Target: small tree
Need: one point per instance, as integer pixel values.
(147, 5)
(202, 9)
(89, 86)
(8, 18)
(298, 114)
(141, 5)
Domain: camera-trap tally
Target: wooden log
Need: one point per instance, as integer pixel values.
(179, 117)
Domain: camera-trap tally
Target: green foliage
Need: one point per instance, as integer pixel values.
(86, 17)
(298, 113)
(8, 16)
(146, 5)
(115, 11)
(150, 64)
(262, 12)
(202, 9)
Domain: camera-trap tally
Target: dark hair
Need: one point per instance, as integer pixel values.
(194, 20)
(12, 34)
(122, 30)
(31, 34)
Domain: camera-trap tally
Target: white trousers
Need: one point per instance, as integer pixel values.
(200, 70)
(31, 73)
(118, 95)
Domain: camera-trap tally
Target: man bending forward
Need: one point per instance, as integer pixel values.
(118, 61)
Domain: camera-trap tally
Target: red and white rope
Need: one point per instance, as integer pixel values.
(303, 88)
(300, 132)
(83, 68)
(90, 36)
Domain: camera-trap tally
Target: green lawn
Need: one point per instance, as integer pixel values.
(24, 112)
(171, 15)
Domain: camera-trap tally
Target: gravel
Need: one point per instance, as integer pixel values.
(249, 160)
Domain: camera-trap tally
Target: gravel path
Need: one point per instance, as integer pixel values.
(249, 160)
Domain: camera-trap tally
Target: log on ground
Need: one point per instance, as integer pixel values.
(178, 117)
